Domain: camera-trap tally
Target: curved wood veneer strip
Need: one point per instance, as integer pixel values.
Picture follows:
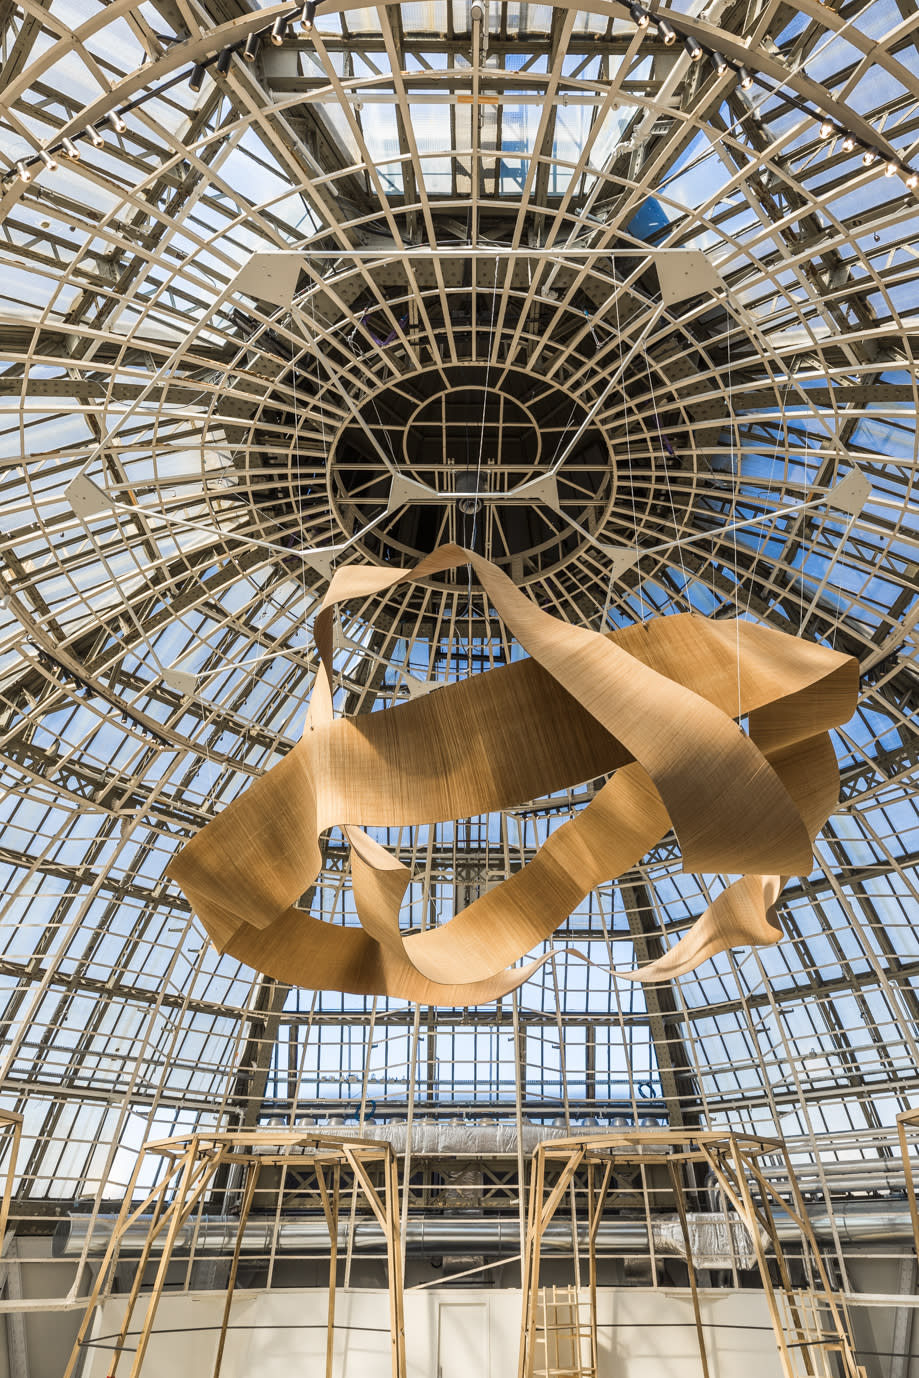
(743, 915)
(303, 951)
(654, 703)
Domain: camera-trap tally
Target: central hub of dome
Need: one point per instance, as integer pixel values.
(472, 435)
(468, 438)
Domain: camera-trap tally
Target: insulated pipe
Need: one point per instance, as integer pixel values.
(857, 1222)
(477, 1140)
(425, 1237)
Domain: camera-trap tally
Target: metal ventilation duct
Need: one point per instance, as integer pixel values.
(866, 1222)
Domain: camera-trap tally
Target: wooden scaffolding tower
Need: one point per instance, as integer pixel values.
(191, 1168)
(559, 1325)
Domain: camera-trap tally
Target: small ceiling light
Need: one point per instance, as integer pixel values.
(71, 150)
(911, 179)
(307, 15)
(827, 128)
(744, 77)
(224, 60)
(278, 30)
(250, 51)
(665, 32)
(467, 493)
(640, 17)
(25, 172)
(693, 48)
(891, 167)
(719, 65)
(870, 156)
(117, 122)
(49, 162)
(848, 143)
(95, 138)
(197, 76)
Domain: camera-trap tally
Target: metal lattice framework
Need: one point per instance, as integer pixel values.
(480, 215)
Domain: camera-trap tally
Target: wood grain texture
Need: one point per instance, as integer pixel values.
(652, 706)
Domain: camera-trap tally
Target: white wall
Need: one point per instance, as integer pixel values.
(37, 1343)
(643, 1334)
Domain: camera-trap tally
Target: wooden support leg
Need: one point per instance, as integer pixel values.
(520, 1091)
(592, 1265)
(531, 1269)
(245, 1207)
(187, 1195)
(740, 1197)
(107, 1264)
(160, 1217)
(834, 1305)
(333, 1265)
(330, 1210)
(394, 1262)
(690, 1265)
(540, 1217)
(801, 1332)
(596, 1213)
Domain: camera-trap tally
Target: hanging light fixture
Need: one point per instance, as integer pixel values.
(49, 162)
(665, 31)
(827, 128)
(718, 63)
(640, 16)
(693, 48)
(279, 30)
(744, 77)
(197, 76)
(117, 122)
(911, 179)
(870, 156)
(25, 172)
(70, 149)
(250, 51)
(94, 136)
(307, 15)
(468, 499)
(848, 143)
(891, 167)
(224, 60)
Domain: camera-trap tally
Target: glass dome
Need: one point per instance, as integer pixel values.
(247, 287)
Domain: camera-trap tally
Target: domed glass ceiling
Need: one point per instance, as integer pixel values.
(413, 245)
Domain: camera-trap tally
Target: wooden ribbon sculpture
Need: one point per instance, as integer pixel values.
(652, 706)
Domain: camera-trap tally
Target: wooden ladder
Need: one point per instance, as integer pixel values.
(814, 1333)
(564, 1339)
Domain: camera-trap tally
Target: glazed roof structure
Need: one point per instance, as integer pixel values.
(246, 288)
